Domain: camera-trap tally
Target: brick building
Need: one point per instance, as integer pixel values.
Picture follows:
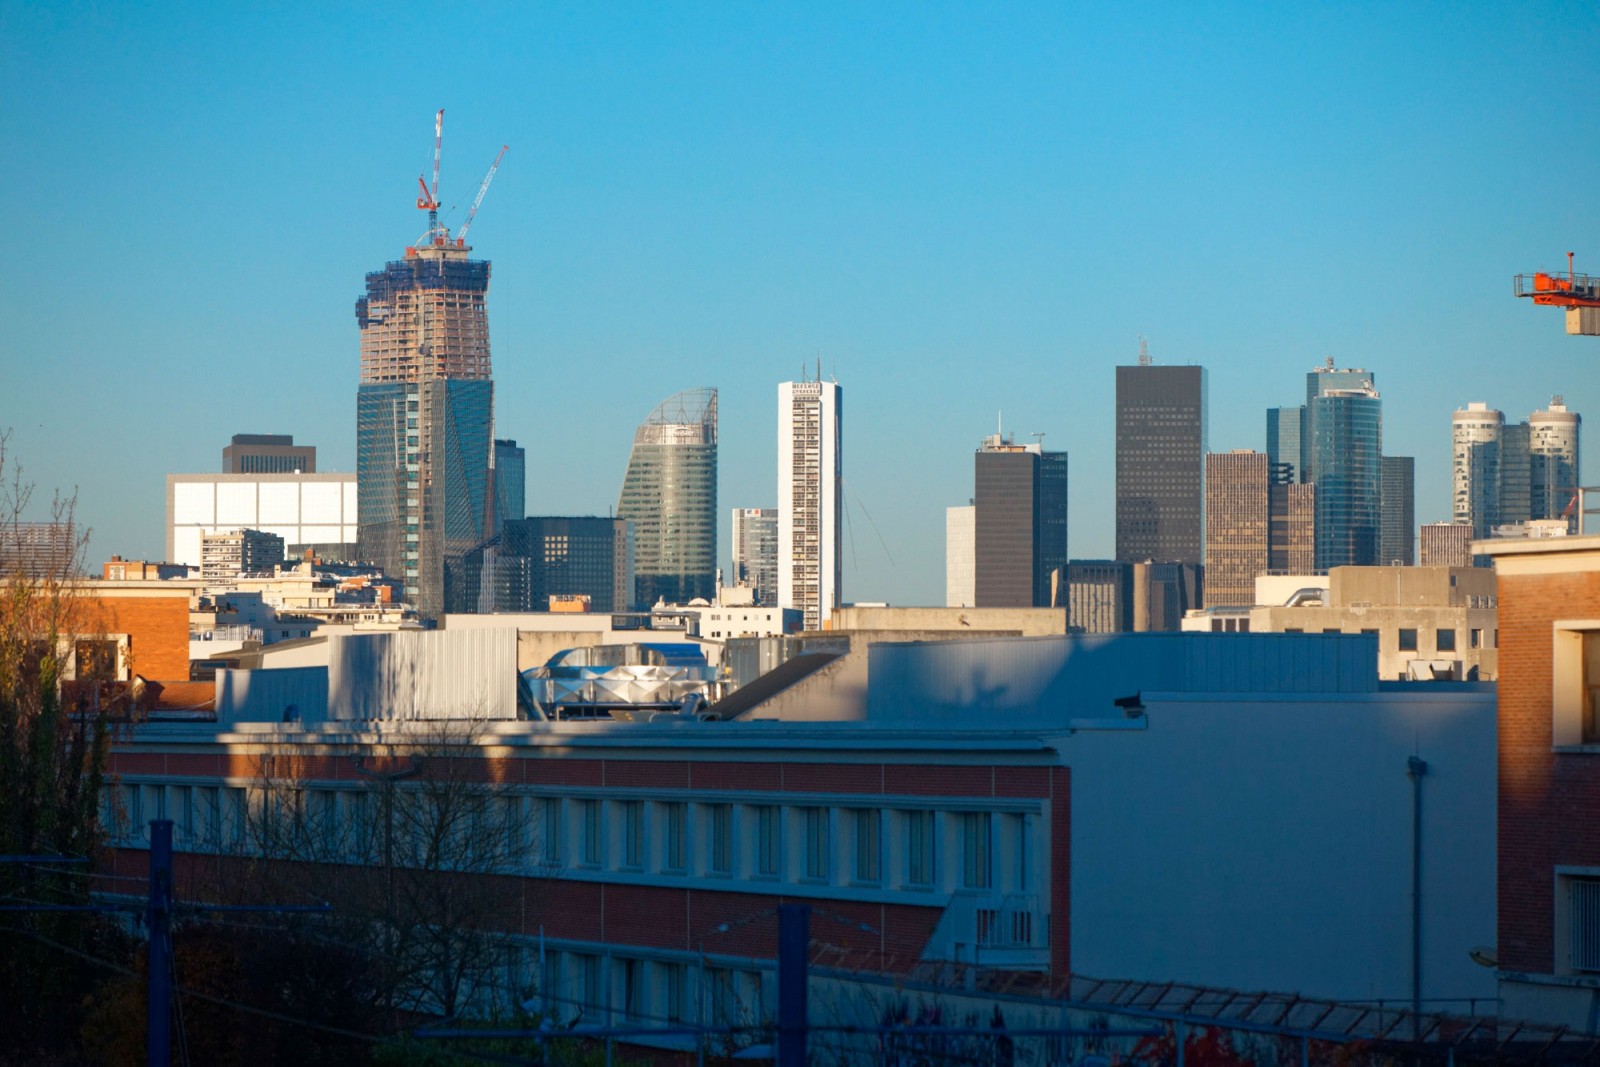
(1549, 778)
(650, 858)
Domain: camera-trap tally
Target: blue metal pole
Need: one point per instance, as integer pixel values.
(794, 947)
(158, 966)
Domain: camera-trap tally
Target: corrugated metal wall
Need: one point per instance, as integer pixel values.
(283, 694)
(438, 674)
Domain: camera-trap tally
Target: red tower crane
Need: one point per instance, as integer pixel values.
(438, 235)
(1578, 293)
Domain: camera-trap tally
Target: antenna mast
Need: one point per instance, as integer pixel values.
(1144, 351)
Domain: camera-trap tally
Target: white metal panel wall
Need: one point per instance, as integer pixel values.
(280, 503)
(266, 695)
(1266, 844)
(1042, 681)
(320, 502)
(236, 504)
(194, 502)
(434, 674)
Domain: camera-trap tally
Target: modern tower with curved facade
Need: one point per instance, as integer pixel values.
(1553, 447)
(670, 496)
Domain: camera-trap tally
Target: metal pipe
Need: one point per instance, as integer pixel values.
(1416, 770)
(158, 959)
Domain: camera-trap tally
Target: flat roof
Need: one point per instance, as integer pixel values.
(1536, 546)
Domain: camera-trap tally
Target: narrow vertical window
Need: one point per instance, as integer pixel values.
(591, 832)
(720, 857)
(869, 847)
(674, 858)
(976, 849)
(769, 841)
(550, 845)
(919, 848)
(632, 833)
(818, 846)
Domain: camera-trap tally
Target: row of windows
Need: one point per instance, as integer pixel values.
(911, 849)
(648, 991)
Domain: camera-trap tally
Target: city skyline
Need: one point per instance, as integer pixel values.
(970, 282)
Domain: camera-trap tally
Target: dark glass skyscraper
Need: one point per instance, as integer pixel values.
(510, 482)
(424, 417)
(1019, 526)
(1161, 444)
(556, 556)
(1285, 431)
(1345, 452)
(1397, 536)
(670, 495)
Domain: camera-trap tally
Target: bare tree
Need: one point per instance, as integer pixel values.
(422, 859)
(52, 761)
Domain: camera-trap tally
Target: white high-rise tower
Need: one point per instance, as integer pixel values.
(810, 470)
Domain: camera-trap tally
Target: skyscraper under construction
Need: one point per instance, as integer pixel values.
(425, 415)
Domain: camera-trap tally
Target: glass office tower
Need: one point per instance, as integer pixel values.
(670, 495)
(1346, 452)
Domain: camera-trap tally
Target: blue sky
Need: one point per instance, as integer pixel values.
(963, 209)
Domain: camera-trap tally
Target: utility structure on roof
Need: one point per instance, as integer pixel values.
(1578, 293)
(425, 412)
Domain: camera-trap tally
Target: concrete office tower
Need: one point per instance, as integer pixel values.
(268, 453)
(755, 552)
(1285, 432)
(1099, 596)
(1254, 526)
(1554, 471)
(564, 556)
(1238, 525)
(1346, 459)
(1019, 525)
(1292, 542)
(810, 516)
(41, 550)
(1320, 381)
(960, 563)
(1475, 433)
(1398, 520)
(670, 495)
(424, 425)
(228, 555)
(1446, 544)
(510, 482)
(1161, 443)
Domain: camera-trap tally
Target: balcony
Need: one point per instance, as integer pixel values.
(992, 930)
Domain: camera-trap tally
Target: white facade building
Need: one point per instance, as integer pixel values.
(960, 556)
(1553, 448)
(1475, 433)
(810, 468)
(303, 509)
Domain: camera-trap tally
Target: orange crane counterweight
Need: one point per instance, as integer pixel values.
(1578, 293)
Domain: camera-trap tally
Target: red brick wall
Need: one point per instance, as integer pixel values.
(682, 919)
(1548, 801)
(158, 629)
